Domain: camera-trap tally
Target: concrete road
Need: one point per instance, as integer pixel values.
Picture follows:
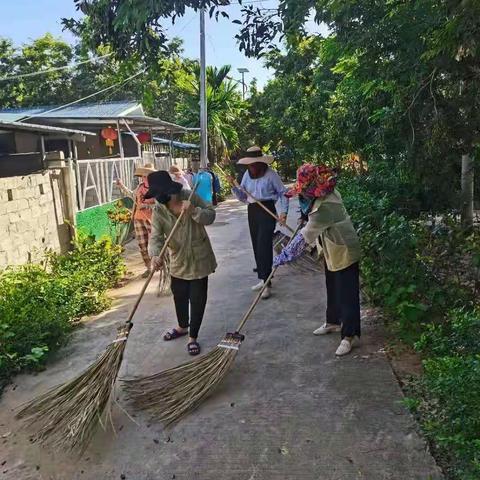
(288, 410)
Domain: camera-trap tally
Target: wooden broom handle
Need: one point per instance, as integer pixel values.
(161, 254)
(258, 202)
(265, 285)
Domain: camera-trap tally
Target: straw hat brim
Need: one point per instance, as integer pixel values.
(268, 159)
(143, 171)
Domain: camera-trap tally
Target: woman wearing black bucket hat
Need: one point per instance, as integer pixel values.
(191, 256)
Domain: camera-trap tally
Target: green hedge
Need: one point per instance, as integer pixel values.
(447, 397)
(39, 303)
(425, 275)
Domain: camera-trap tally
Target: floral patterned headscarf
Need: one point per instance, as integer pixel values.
(314, 181)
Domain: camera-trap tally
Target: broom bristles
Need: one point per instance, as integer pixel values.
(304, 263)
(171, 394)
(164, 282)
(66, 416)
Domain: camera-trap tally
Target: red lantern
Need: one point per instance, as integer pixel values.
(143, 137)
(109, 134)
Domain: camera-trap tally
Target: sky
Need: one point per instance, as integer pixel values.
(24, 20)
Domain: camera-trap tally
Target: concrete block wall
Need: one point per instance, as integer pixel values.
(28, 219)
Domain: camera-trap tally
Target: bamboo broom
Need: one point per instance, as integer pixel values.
(66, 416)
(172, 393)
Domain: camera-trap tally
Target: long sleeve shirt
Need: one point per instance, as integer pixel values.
(268, 187)
(181, 179)
(143, 208)
(191, 254)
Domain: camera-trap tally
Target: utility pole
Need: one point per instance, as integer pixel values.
(203, 93)
(243, 71)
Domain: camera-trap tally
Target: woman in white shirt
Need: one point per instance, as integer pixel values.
(265, 185)
(178, 176)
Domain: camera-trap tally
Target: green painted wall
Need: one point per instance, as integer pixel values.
(95, 221)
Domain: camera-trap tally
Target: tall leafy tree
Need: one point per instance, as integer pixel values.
(224, 107)
(157, 88)
(407, 82)
(45, 53)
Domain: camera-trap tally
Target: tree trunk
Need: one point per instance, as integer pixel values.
(467, 191)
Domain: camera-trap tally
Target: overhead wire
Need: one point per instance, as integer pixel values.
(53, 69)
(103, 90)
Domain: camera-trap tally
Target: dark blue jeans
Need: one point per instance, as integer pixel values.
(343, 299)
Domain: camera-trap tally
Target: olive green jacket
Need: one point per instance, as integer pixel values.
(330, 228)
(191, 254)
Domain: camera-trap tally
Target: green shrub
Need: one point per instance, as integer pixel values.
(38, 304)
(457, 334)
(424, 272)
(448, 399)
(33, 317)
(392, 275)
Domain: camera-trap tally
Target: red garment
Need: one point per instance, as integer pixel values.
(314, 181)
(143, 208)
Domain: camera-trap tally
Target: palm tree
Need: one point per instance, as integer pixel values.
(224, 107)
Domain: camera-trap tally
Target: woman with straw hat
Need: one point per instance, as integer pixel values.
(191, 256)
(178, 176)
(142, 211)
(265, 185)
(330, 228)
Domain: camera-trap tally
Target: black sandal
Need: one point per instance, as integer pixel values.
(193, 348)
(173, 334)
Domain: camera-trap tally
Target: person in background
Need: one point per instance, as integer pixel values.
(179, 176)
(142, 211)
(203, 182)
(216, 185)
(266, 186)
(240, 171)
(330, 228)
(189, 176)
(191, 256)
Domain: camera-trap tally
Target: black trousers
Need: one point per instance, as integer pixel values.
(343, 299)
(262, 227)
(190, 298)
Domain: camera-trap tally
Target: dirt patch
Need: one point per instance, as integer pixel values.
(405, 361)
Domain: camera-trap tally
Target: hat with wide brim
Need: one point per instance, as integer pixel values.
(175, 170)
(255, 155)
(144, 170)
(161, 183)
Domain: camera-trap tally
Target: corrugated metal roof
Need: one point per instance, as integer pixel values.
(13, 115)
(115, 109)
(10, 125)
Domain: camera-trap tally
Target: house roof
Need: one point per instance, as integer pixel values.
(45, 129)
(93, 114)
(116, 109)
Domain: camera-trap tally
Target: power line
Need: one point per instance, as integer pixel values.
(185, 26)
(249, 2)
(87, 97)
(54, 69)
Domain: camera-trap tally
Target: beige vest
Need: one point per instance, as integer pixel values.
(330, 228)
